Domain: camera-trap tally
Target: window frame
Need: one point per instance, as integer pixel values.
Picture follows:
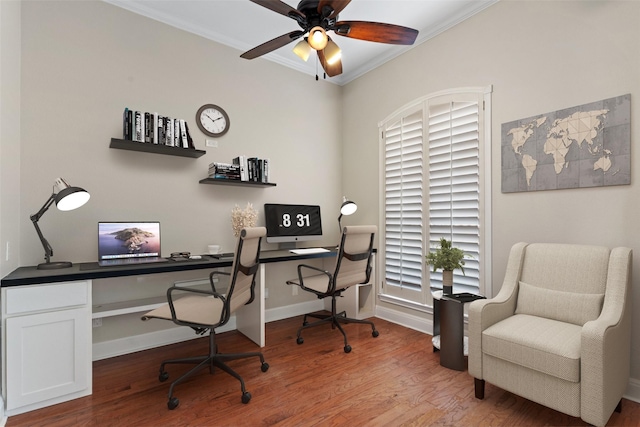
(422, 300)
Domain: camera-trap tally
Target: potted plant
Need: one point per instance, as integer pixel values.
(446, 258)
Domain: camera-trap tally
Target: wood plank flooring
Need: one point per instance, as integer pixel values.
(392, 380)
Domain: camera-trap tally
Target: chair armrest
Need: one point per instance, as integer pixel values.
(486, 312)
(315, 269)
(605, 361)
(174, 288)
(215, 273)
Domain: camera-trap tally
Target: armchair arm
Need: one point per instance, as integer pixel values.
(606, 344)
(486, 312)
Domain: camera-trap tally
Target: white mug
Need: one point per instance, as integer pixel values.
(214, 249)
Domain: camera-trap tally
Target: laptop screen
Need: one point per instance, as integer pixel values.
(126, 240)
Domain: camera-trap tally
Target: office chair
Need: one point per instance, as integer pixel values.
(353, 267)
(204, 310)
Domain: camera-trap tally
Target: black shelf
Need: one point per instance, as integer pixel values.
(217, 181)
(146, 147)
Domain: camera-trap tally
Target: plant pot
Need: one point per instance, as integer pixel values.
(447, 282)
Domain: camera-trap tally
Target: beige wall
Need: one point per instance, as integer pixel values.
(539, 57)
(84, 62)
(9, 136)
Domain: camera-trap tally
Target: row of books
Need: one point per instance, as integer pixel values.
(154, 128)
(242, 168)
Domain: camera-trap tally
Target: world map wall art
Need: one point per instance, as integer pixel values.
(584, 146)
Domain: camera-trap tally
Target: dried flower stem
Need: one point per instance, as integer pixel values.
(241, 218)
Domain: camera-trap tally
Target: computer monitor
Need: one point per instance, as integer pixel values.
(289, 224)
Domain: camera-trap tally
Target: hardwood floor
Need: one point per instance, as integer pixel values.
(392, 380)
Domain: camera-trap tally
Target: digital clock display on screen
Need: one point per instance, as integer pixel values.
(292, 220)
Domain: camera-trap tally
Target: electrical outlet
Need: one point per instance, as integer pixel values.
(213, 143)
(266, 293)
(97, 322)
(294, 290)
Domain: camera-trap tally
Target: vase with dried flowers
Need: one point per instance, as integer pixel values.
(241, 218)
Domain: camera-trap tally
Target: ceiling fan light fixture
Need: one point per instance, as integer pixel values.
(318, 38)
(332, 52)
(303, 50)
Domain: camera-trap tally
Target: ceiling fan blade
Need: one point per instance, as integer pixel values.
(376, 32)
(272, 45)
(336, 5)
(279, 7)
(331, 69)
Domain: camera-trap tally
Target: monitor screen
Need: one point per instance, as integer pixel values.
(292, 223)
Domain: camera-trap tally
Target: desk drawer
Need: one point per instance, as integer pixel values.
(34, 298)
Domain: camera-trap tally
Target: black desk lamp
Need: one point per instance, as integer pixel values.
(348, 207)
(67, 198)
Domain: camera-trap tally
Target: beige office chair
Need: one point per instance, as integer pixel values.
(559, 331)
(206, 310)
(353, 267)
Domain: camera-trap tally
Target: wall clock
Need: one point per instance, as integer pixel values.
(212, 120)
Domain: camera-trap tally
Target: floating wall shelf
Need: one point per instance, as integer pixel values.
(216, 181)
(148, 147)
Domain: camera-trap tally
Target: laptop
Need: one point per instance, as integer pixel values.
(127, 243)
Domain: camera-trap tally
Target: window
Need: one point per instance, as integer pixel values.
(435, 179)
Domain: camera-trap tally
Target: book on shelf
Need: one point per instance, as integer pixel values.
(224, 171)
(258, 169)
(242, 162)
(153, 128)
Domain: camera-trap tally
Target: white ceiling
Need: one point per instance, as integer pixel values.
(243, 25)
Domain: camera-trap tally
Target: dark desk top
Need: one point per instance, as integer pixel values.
(90, 270)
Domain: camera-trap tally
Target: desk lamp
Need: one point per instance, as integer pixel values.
(67, 198)
(348, 207)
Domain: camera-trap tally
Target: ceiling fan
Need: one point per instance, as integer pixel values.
(316, 18)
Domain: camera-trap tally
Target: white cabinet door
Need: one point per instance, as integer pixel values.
(47, 356)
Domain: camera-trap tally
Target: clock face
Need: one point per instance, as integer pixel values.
(212, 120)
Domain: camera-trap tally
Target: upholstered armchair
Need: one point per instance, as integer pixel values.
(559, 331)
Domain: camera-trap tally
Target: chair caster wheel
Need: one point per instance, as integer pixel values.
(347, 348)
(173, 403)
(375, 333)
(163, 376)
(300, 340)
(264, 367)
(246, 397)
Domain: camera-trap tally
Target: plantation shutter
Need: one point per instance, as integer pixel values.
(403, 201)
(454, 186)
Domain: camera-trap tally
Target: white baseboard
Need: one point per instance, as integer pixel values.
(633, 390)
(418, 323)
(118, 347)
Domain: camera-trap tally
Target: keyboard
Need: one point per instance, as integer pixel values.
(304, 251)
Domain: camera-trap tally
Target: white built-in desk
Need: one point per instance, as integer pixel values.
(47, 324)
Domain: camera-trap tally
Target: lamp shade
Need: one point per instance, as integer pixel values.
(332, 52)
(302, 49)
(317, 38)
(348, 207)
(71, 198)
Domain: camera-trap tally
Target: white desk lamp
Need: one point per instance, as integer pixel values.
(67, 198)
(348, 208)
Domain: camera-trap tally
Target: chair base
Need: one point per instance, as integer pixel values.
(335, 319)
(212, 360)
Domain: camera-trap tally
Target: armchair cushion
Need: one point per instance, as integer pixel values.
(545, 345)
(571, 307)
